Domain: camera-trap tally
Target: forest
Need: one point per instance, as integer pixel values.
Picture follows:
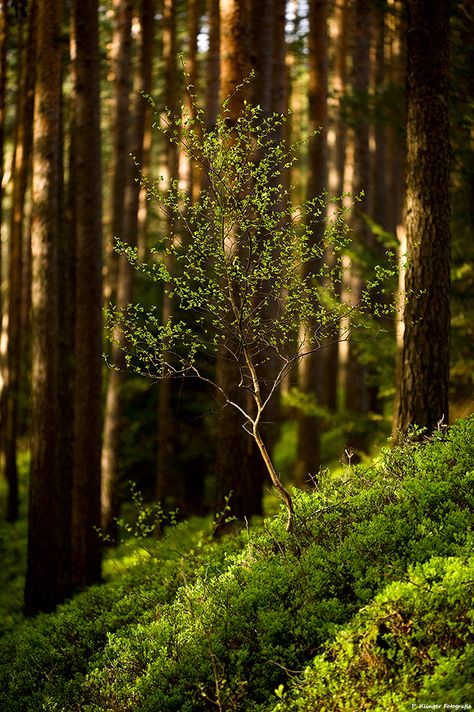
(236, 355)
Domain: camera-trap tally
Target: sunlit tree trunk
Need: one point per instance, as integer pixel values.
(308, 458)
(48, 577)
(234, 446)
(88, 298)
(17, 248)
(422, 395)
(213, 64)
(356, 388)
(336, 185)
(119, 173)
(3, 87)
(192, 69)
(378, 193)
(167, 488)
(125, 278)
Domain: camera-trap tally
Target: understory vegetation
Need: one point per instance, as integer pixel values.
(365, 604)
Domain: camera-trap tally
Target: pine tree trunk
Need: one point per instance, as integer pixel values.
(336, 184)
(21, 166)
(125, 279)
(3, 88)
(234, 446)
(167, 489)
(213, 64)
(120, 170)
(48, 570)
(422, 395)
(308, 457)
(357, 397)
(88, 298)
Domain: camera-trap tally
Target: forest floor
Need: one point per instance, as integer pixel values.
(366, 604)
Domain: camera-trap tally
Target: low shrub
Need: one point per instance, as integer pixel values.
(413, 645)
(225, 623)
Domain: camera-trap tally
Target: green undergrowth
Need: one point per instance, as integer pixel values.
(364, 605)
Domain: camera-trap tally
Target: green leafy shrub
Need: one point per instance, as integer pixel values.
(222, 624)
(413, 645)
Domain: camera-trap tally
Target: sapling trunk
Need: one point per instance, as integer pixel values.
(282, 491)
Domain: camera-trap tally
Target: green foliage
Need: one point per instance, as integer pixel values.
(376, 563)
(244, 267)
(413, 645)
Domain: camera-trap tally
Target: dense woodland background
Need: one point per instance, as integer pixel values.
(388, 85)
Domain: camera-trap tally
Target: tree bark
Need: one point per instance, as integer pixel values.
(48, 577)
(21, 167)
(120, 173)
(213, 64)
(3, 87)
(422, 395)
(336, 185)
(88, 298)
(234, 446)
(308, 458)
(167, 489)
(125, 279)
(357, 397)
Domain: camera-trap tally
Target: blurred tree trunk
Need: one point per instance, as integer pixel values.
(336, 184)
(17, 247)
(378, 193)
(308, 457)
(125, 277)
(213, 64)
(3, 88)
(48, 577)
(234, 445)
(356, 389)
(192, 69)
(88, 297)
(120, 172)
(422, 393)
(167, 488)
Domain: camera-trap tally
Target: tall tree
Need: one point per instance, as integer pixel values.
(213, 64)
(422, 394)
(17, 248)
(48, 577)
(356, 388)
(3, 86)
(88, 297)
(119, 177)
(119, 173)
(336, 181)
(310, 371)
(167, 489)
(234, 447)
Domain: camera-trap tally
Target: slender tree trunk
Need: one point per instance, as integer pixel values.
(125, 278)
(3, 87)
(120, 173)
(422, 395)
(234, 446)
(213, 64)
(167, 489)
(379, 194)
(192, 68)
(357, 398)
(88, 317)
(48, 570)
(336, 184)
(21, 166)
(308, 458)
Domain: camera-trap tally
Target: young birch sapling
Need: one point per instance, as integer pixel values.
(242, 267)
